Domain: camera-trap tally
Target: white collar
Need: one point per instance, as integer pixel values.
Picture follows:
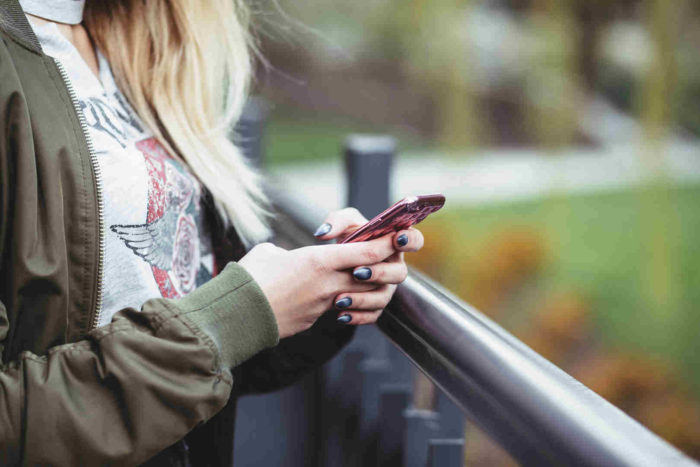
(60, 11)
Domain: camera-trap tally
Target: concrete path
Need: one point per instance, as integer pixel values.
(502, 175)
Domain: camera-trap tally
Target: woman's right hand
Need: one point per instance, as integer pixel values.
(300, 284)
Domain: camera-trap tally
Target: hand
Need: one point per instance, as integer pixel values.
(301, 284)
(365, 307)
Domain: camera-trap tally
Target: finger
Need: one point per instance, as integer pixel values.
(397, 257)
(343, 221)
(358, 318)
(350, 255)
(366, 301)
(382, 273)
(408, 240)
(345, 282)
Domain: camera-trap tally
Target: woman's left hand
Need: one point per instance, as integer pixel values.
(366, 307)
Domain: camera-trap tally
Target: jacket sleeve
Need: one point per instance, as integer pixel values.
(293, 357)
(136, 386)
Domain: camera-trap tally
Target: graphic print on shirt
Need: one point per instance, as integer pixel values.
(169, 240)
(154, 243)
(109, 119)
(173, 240)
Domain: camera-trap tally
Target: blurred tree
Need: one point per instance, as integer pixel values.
(660, 224)
(552, 83)
(439, 56)
(592, 16)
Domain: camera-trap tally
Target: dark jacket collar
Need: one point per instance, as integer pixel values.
(14, 22)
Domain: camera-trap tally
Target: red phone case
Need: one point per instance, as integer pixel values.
(402, 215)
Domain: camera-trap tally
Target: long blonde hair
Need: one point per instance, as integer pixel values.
(185, 67)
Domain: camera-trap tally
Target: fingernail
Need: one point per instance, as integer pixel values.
(323, 229)
(402, 240)
(345, 319)
(343, 302)
(362, 274)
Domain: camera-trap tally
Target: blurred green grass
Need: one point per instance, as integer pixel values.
(594, 244)
(298, 138)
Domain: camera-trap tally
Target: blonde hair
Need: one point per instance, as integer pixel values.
(185, 67)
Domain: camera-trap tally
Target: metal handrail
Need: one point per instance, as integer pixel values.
(533, 409)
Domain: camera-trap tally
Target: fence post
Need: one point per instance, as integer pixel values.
(250, 129)
(421, 426)
(393, 401)
(368, 160)
(446, 453)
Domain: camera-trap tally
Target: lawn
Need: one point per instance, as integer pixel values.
(598, 247)
(296, 137)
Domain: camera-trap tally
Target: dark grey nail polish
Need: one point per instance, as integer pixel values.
(343, 302)
(345, 319)
(323, 229)
(402, 240)
(362, 274)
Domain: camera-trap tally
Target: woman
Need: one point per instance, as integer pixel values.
(124, 320)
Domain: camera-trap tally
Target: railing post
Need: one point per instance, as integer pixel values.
(446, 453)
(340, 408)
(250, 129)
(434, 427)
(391, 425)
(368, 171)
(368, 160)
(380, 426)
(375, 371)
(421, 427)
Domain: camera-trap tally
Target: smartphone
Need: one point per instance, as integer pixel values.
(402, 215)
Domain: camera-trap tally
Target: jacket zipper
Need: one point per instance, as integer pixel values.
(98, 190)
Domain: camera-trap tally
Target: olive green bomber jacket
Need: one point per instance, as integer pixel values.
(71, 393)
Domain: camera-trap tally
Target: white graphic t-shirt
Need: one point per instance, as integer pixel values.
(156, 241)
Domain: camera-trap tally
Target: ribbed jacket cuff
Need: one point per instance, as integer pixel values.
(232, 309)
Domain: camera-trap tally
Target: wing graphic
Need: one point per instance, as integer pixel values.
(153, 241)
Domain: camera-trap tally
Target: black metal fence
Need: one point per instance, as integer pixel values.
(370, 405)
